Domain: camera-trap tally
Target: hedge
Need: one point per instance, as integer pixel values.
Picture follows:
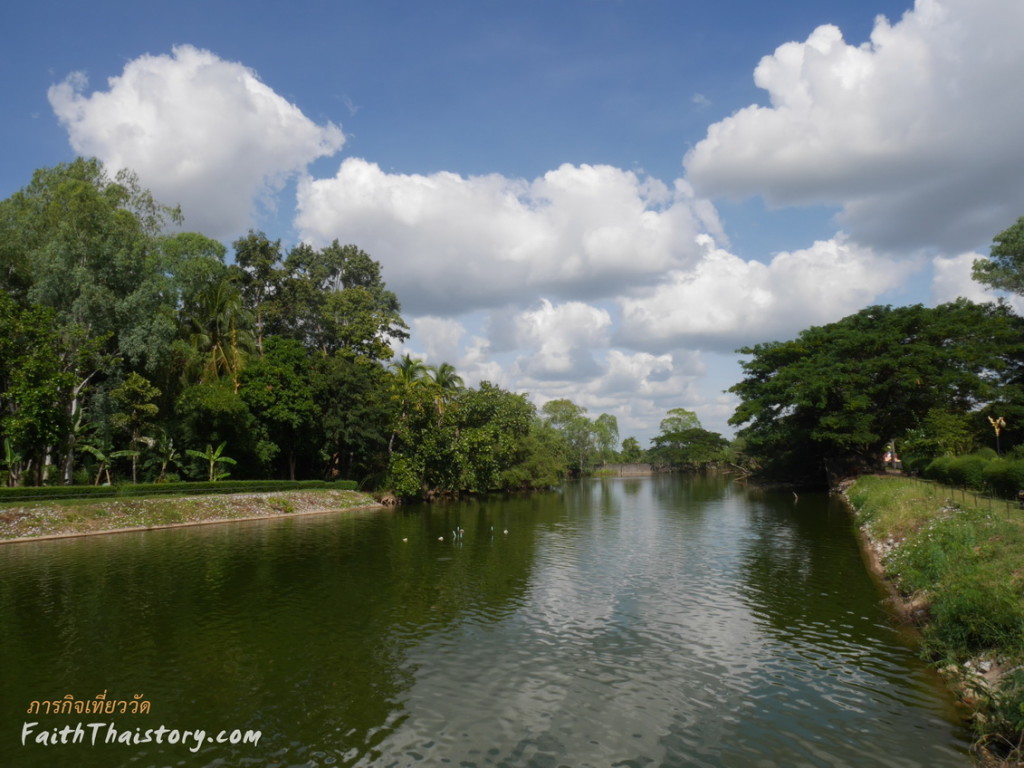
(982, 471)
(128, 490)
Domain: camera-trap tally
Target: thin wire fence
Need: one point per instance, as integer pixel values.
(963, 496)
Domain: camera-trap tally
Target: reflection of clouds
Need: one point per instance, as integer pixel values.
(645, 637)
(614, 643)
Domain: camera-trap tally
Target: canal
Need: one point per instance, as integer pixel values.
(665, 621)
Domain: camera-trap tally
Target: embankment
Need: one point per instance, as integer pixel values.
(956, 572)
(51, 519)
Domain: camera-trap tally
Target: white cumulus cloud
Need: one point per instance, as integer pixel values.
(726, 302)
(450, 244)
(916, 134)
(561, 340)
(200, 132)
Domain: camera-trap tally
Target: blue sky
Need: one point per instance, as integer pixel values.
(594, 199)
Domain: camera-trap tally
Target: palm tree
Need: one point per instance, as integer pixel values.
(219, 328)
(445, 383)
(408, 371)
(410, 375)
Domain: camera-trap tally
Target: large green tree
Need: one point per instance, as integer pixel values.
(277, 388)
(683, 442)
(825, 404)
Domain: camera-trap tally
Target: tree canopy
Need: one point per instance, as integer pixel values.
(826, 403)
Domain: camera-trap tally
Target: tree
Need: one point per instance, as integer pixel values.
(87, 246)
(218, 329)
(1004, 269)
(677, 420)
(824, 405)
(631, 452)
(577, 431)
(136, 410)
(277, 390)
(257, 260)
(333, 299)
(354, 414)
(483, 445)
(606, 435)
(445, 383)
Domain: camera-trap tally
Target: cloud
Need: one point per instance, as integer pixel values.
(726, 302)
(562, 339)
(451, 244)
(916, 134)
(439, 336)
(199, 131)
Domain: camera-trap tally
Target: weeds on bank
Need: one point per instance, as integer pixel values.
(966, 565)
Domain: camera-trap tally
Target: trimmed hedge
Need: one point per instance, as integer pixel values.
(128, 490)
(983, 471)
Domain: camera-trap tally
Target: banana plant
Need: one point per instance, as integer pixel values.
(214, 457)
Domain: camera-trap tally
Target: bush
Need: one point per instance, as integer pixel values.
(968, 471)
(939, 470)
(1005, 477)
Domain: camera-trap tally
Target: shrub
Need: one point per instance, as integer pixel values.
(968, 471)
(939, 470)
(1005, 477)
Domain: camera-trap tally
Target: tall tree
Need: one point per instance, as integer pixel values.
(277, 389)
(577, 431)
(334, 300)
(135, 414)
(258, 261)
(825, 404)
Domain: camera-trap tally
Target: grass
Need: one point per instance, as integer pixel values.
(960, 557)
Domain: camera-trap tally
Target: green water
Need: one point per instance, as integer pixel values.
(643, 622)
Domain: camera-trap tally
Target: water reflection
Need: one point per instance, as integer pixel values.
(655, 621)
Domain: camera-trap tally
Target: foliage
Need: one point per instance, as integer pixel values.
(1004, 269)
(682, 442)
(277, 390)
(631, 452)
(482, 441)
(135, 414)
(214, 457)
(826, 404)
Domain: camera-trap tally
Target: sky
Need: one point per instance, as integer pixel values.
(600, 200)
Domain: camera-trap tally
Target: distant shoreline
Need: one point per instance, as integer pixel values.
(45, 521)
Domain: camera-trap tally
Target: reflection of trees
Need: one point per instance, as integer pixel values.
(803, 564)
(296, 627)
(697, 492)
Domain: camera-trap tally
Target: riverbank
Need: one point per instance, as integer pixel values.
(83, 517)
(957, 573)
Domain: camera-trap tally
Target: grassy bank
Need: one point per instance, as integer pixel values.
(958, 563)
(86, 516)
